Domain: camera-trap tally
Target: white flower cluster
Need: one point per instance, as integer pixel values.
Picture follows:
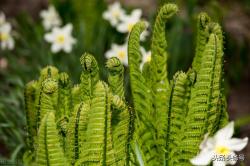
(124, 23)
(220, 149)
(6, 39)
(60, 37)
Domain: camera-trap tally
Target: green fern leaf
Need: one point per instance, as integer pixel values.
(76, 132)
(160, 84)
(98, 148)
(201, 102)
(49, 152)
(76, 95)
(120, 132)
(178, 109)
(144, 135)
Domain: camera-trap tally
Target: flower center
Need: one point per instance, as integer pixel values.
(130, 26)
(222, 150)
(4, 36)
(116, 14)
(121, 54)
(60, 39)
(148, 59)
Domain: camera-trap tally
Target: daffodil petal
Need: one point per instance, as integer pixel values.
(231, 160)
(49, 37)
(68, 28)
(204, 158)
(55, 48)
(236, 144)
(67, 48)
(122, 27)
(225, 133)
(204, 142)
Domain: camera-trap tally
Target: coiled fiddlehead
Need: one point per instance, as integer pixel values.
(47, 72)
(89, 76)
(201, 40)
(116, 76)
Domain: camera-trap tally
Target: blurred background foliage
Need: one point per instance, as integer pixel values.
(95, 35)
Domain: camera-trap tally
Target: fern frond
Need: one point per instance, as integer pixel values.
(144, 135)
(98, 146)
(217, 88)
(76, 132)
(30, 109)
(47, 72)
(89, 76)
(159, 47)
(65, 97)
(201, 101)
(121, 134)
(48, 98)
(201, 40)
(178, 109)
(146, 72)
(76, 94)
(160, 84)
(116, 76)
(49, 151)
(65, 106)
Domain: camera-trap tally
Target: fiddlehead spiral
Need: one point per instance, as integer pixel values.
(116, 76)
(48, 99)
(201, 40)
(89, 76)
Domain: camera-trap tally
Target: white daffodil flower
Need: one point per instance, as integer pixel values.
(146, 57)
(220, 149)
(61, 39)
(128, 21)
(6, 40)
(50, 18)
(2, 18)
(119, 51)
(114, 13)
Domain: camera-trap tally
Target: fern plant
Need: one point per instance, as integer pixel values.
(85, 124)
(91, 124)
(172, 117)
